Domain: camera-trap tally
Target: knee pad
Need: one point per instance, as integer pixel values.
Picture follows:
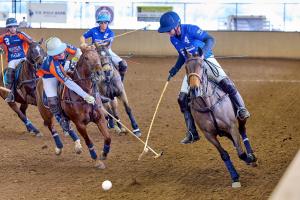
(183, 102)
(228, 86)
(122, 66)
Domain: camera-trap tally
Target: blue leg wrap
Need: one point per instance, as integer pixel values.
(30, 127)
(106, 148)
(73, 135)
(234, 175)
(92, 151)
(246, 143)
(132, 119)
(57, 140)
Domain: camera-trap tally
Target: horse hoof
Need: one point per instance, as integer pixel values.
(117, 130)
(66, 133)
(103, 156)
(99, 164)
(123, 130)
(38, 134)
(78, 147)
(236, 185)
(58, 151)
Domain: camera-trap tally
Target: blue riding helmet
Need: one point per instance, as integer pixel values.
(11, 22)
(103, 17)
(168, 21)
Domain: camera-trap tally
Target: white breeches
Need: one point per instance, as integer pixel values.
(214, 73)
(13, 63)
(115, 58)
(50, 86)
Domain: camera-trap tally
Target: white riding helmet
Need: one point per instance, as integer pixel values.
(55, 46)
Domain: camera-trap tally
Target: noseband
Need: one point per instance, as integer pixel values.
(193, 73)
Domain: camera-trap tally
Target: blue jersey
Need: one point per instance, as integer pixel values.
(190, 39)
(15, 45)
(98, 36)
(54, 68)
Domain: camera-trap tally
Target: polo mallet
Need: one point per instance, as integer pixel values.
(148, 135)
(157, 155)
(128, 32)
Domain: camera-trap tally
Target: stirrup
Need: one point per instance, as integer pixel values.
(243, 113)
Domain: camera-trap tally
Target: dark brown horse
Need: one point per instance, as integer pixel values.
(76, 109)
(214, 114)
(111, 86)
(25, 84)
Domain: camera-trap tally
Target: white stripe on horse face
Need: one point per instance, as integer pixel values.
(37, 48)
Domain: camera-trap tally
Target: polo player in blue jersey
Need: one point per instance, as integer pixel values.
(187, 37)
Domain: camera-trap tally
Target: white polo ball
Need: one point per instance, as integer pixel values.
(106, 185)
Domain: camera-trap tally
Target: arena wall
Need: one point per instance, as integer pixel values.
(150, 43)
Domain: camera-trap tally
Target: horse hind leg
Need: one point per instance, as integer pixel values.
(30, 127)
(134, 125)
(119, 129)
(226, 159)
(250, 153)
(75, 138)
(107, 140)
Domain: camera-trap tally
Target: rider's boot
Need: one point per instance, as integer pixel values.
(191, 134)
(54, 106)
(228, 86)
(10, 74)
(122, 69)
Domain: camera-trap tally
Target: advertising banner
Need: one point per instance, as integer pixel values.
(47, 12)
(151, 13)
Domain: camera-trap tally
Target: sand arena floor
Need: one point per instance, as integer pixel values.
(271, 89)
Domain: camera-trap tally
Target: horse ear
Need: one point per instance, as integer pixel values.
(41, 41)
(200, 51)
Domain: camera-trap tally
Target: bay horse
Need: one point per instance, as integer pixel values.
(215, 116)
(111, 86)
(25, 84)
(76, 109)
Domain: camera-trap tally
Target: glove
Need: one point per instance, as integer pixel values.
(172, 73)
(83, 45)
(89, 99)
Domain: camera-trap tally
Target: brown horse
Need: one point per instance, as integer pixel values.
(214, 114)
(111, 86)
(76, 109)
(25, 84)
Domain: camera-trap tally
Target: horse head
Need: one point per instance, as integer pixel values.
(88, 63)
(35, 54)
(194, 68)
(107, 65)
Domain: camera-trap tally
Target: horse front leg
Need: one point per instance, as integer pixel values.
(242, 131)
(212, 138)
(81, 127)
(107, 139)
(30, 127)
(133, 122)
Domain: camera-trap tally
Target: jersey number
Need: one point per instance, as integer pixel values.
(6, 40)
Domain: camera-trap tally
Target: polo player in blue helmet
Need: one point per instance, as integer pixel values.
(16, 44)
(190, 37)
(103, 35)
